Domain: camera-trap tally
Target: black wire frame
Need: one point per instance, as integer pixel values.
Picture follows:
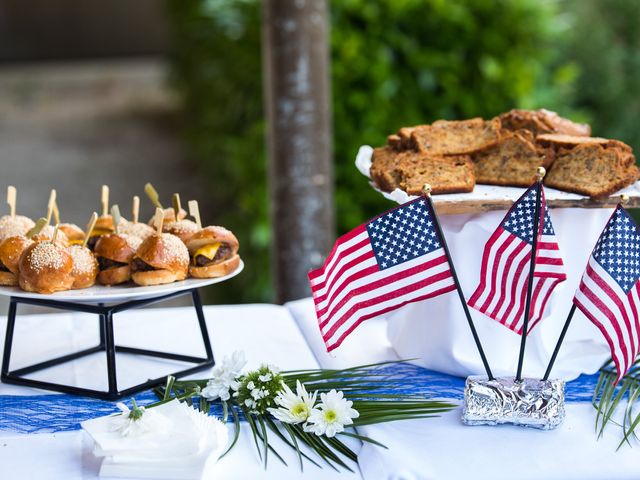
(106, 344)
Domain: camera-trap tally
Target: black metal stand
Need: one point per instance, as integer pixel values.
(107, 345)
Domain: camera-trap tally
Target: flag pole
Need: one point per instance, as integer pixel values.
(532, 267)
(624, 199)
(560, 340)
(427, 192)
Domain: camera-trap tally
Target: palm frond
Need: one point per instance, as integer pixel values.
(608, 396)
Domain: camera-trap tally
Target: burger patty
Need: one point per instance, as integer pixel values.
(91, 243)
(138, 265)
(106, 264)
(3, 267)
(223, 253)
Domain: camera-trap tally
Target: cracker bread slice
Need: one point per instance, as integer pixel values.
(445, 137)
(513, 161)
(542, 121)
(592, 169)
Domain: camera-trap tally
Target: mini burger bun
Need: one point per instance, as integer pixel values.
(168, 255)
(169, 216)
(73, 232)
(114, 276)
(210, 235)
(115, 247)
(45, 268)
(10, 251)
(217, 269)
(8, 279)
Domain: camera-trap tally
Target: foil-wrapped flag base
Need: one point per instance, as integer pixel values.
(528, 403)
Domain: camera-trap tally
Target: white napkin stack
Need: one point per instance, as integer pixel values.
(178, 443)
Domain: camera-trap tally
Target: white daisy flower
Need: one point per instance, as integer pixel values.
(331, 415)
(136, 422)
(293, 407)
(224, 377)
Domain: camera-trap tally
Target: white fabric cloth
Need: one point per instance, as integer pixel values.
(436, 331)
(267, 333)
(444, 448)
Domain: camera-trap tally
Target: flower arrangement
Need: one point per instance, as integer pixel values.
(314, 408)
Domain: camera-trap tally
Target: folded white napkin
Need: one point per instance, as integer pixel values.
(178, 443)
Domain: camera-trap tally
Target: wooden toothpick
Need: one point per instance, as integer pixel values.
(50, 205)
(135, 208)
(56, 213)
(153, 195)
(159, 220)
(55, 233)
(37, 228)
(90, 226)
(194, 211)
(115, 215)
(11, 200)
(175, 201)
(104, 200)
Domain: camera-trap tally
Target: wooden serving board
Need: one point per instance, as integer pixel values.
(485, 198)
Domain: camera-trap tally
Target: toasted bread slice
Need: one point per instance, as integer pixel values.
(592, 169)
(512, 162)
(542, 121)
(451, 137)
(561, 141)
(445, 174)
(410, 170)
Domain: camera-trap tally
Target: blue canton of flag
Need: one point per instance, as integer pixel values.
(519, 220)
(403, 234)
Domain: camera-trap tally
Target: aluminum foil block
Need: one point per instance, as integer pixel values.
(529, 403)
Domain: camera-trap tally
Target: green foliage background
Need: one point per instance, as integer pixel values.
(394, 63)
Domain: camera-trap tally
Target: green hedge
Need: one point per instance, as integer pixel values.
(394, 63)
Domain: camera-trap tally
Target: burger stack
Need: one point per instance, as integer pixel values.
(113, 251)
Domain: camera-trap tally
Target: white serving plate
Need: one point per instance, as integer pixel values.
(119, 293)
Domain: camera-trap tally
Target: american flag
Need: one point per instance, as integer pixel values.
(394, 259)
(608, 293)
(506, 263)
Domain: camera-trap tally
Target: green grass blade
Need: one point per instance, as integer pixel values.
(363, 438)
(236, 434)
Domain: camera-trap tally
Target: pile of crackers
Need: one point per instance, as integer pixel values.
(452, 156)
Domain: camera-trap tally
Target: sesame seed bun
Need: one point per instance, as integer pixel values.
(117, 248)
(183, 229)
(45, 268)
(8, 279)
(11, 226)
(210, 235)
(221, 267)
(85, 267)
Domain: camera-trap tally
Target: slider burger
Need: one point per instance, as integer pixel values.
(114, 251)
(85, 267)
(170, 216)
(45, 267)
(214, 252)
(10, 251)
(104, 226)
(160, 259)
(46, 235)
(74, 233)
(136, 229)
(16, 225)
(183, 229)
